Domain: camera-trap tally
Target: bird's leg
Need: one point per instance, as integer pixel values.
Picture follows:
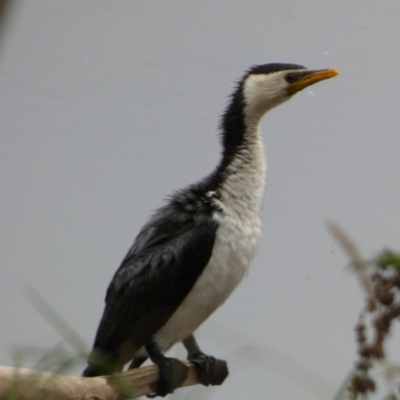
(172, 371)
(211, 370)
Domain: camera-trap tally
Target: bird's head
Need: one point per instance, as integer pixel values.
(266, 86)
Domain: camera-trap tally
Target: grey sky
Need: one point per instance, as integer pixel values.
(106, 107)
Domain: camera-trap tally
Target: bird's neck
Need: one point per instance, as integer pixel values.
(239, 179)
(239, 127)
(245, 147)
(243, 166)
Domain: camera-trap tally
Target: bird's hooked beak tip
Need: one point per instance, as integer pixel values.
(310, 78)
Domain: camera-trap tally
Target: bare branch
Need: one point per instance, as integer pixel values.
(27, 384)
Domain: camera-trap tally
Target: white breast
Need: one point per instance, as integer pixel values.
(230, 260)
(240, 201)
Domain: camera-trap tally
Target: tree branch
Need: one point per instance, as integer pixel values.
(27, 384)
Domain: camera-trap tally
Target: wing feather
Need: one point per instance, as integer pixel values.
(158, 272)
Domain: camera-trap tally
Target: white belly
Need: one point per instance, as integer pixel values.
(234, 249)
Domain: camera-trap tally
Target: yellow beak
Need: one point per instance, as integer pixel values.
(310, 79)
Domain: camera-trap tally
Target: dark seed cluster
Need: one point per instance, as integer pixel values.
(381, 310)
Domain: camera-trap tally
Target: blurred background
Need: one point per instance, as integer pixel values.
(107, 107)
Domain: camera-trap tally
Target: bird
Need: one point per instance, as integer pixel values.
(194, 250)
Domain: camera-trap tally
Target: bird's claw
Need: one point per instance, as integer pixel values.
(211, 371)
(172, 374)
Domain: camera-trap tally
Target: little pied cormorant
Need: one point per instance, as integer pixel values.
(195, 250)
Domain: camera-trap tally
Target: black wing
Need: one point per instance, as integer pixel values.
(158, 272)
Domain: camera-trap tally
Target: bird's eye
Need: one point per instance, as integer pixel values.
(291, 77)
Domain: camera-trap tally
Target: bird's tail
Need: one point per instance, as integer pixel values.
(99, 364)
(91, 371)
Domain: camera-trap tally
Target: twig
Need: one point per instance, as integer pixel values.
(352, 252)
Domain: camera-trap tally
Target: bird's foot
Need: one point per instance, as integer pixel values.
(211, 370)
(172, 374)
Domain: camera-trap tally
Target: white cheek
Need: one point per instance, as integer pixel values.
(263, 92)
